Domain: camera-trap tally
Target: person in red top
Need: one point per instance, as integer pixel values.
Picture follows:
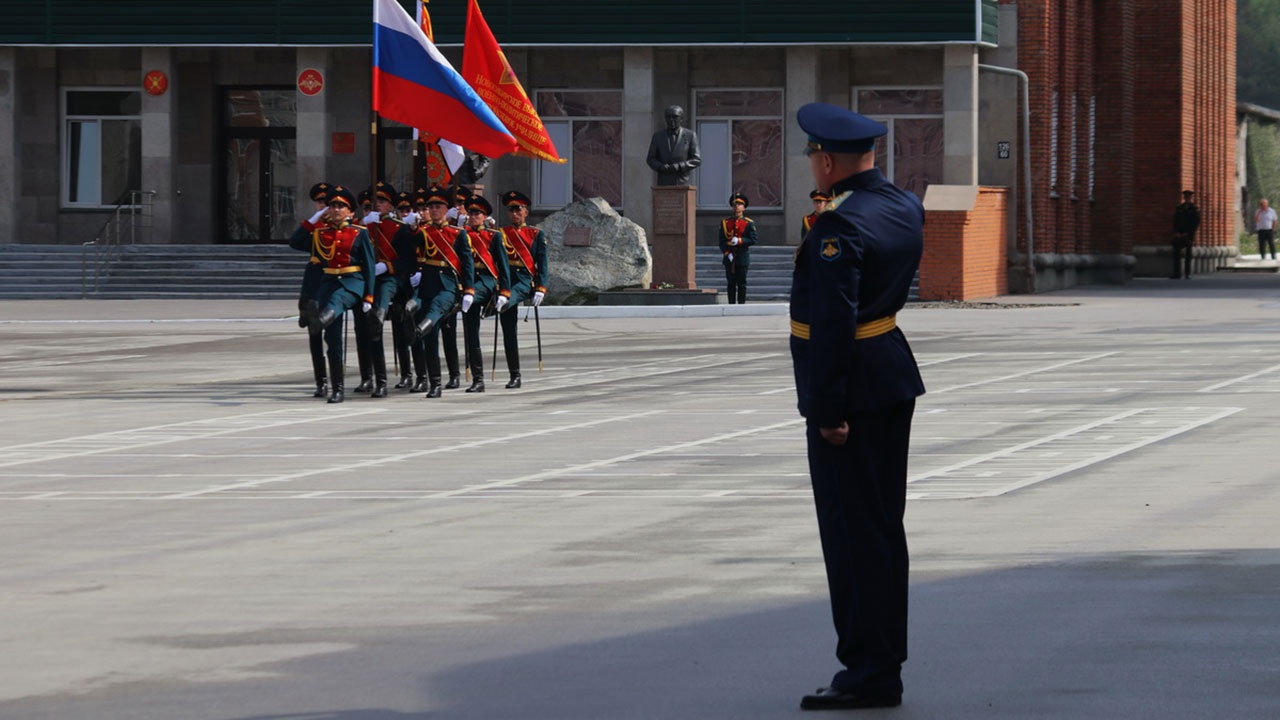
(493, 283)
(526, 248)
(346, 259)
(737, 235)
(443, 256)
(392, 240)
(820, 200)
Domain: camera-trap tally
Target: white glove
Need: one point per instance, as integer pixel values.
(502, 302)
(316, 218)
(410, 219)
(467, 300)
(372, 217)
(415, 278)
(736, 241)
(379, 269)
(537, 298)
(366, 306)
(730, 256)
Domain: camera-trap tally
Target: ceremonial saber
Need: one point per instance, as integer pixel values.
(537, 329)
(493, 372)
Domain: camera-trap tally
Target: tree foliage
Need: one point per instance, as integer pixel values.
(1258, 52)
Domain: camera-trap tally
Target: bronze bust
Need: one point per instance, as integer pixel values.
(673, 152)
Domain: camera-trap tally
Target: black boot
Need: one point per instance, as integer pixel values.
(379, 368)
(423, 328)
(454, 383)
(420, 385)
(322, 320)
(406, 381)
(335, 373)
(380, 390)
(514, 382)
(322, 382)
(434, 390)
(366, 385)
(477, 383)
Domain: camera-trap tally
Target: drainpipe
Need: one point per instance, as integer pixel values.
(1026, 163)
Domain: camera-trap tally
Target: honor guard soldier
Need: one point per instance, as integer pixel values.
(457, 215)
(364, 353)
(448, 278)
(493, 284)
(392, 240)
(857, 383)
(820, 200)
(737, 235)
(347, 263)
(399, 337)
(307, 307)
(526, 248)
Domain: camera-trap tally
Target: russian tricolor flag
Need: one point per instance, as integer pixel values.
(414, 84)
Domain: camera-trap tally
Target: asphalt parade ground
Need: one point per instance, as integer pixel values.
(185, 534)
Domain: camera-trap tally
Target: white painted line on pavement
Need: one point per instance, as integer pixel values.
(536, 477)
(1024, 373)
(406, 456)
(1242, 378)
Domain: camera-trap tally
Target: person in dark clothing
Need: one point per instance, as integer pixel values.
(1186, 219)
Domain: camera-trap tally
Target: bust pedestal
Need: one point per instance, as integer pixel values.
(674, 230)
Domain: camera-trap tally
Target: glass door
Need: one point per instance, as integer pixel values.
(259, 165)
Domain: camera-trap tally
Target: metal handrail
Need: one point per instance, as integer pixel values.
(138, 206)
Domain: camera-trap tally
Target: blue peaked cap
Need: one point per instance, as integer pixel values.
(835, 129)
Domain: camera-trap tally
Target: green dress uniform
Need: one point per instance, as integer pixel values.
(493, 280)
(347, 262)
(737, 255)
(443, 256)
(526, 250)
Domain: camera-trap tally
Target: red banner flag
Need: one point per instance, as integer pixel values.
(486, 69)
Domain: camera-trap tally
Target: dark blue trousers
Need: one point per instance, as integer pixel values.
(859, 490)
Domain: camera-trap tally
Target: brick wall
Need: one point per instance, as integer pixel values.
(1131, 102)
(966, 252)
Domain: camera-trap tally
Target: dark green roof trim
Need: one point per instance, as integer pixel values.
(514, 22)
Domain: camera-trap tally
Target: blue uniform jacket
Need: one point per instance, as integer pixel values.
(855, 266)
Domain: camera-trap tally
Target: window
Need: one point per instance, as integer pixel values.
(102, 146)
(914, 118)
(740, 137)
(586, 127)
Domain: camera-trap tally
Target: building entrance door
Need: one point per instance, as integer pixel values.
(259, 165)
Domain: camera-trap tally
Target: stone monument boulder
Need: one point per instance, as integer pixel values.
(591, 249)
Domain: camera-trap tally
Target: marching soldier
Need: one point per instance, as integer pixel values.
(457, 216)
(493, 284)
(399, 337)
(364, 354)
(346, 259)
(311, 278)
(392, 240)
(448, 277)
(820, 200)
(526, 249)
(737, 235)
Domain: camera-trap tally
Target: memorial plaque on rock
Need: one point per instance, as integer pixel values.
(577, 237)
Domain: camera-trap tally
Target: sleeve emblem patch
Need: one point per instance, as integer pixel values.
(830, 249)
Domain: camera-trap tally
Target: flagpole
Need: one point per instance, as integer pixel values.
(375, 121)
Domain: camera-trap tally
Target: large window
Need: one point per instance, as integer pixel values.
(914, 118)
(586, 127)
(101, 145)
(740, 137)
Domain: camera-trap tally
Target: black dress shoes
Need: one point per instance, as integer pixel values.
(365, 385)
(477, 384)
(420, 386)
(322, 390)
(514, 382)
(380, 391)
(405, 382)
(454, 383)
(337, 395)
(434, 391)
(829, 698)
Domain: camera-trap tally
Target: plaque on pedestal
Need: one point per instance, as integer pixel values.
(674, 230)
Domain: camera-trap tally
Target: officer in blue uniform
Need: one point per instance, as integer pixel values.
(857, 383)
